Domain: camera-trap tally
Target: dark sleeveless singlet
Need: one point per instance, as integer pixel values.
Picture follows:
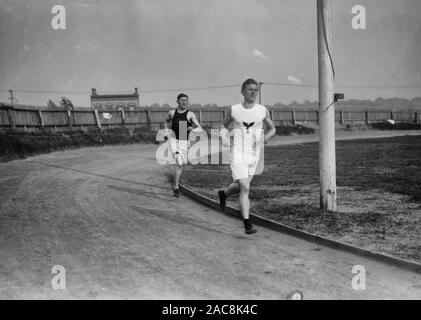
(179, 121)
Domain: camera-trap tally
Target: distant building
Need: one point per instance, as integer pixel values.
(114, 101)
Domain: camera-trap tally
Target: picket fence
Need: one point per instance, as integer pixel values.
(33, 118)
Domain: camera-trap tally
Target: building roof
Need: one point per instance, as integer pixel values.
(95, 96)
(114, 96)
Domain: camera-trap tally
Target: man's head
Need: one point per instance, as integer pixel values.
(250, 89)
(182, 100)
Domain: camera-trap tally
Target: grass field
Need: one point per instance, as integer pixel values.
(378, 192)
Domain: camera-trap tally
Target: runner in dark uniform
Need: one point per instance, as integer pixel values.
(182, 122)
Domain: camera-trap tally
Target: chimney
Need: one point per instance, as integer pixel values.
(93, 91)
(135, 91)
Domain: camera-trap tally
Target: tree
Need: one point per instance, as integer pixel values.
(51, 104)
(416, 102)
(66, 103)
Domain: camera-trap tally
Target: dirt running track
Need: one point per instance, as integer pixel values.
(108, 216)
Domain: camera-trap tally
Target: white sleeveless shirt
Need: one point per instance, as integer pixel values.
(247, 133)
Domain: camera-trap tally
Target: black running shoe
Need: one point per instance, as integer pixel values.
(222, 199)
(177, 193)
(249, 227)
(250, 230)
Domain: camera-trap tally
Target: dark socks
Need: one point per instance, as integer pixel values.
(247, 223)
(222, 199)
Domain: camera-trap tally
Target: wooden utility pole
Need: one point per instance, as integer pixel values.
(260, 92)
(11, 98)
(327, 157)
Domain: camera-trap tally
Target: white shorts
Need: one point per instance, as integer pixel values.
(179, 148)
(245, 168)
(246, 158)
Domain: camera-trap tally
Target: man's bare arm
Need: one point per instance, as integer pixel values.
(270, 126)
(168, 120)
(227, 120)
(195, 121)
(224, 132)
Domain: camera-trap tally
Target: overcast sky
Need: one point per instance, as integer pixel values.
(115, 46)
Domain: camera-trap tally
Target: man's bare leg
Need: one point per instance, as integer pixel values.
(243, 198)
(233, 188)
(245, 204)
(177, 175)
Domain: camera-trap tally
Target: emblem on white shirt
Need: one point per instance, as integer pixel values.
(248, 125)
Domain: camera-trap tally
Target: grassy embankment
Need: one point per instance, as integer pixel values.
(17, 145)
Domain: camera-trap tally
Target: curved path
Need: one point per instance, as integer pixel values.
(108, 216)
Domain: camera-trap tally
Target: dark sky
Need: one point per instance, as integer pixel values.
(115, 46)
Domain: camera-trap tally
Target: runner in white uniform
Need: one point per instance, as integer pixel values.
(247, 144)
(248, 140)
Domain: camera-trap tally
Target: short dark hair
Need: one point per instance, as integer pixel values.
(247, 82)
(182, 95)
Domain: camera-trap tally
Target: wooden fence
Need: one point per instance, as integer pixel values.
(21, 117)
